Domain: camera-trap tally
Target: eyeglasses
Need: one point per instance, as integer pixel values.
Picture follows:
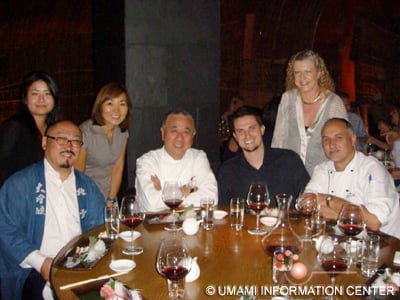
(62, 141)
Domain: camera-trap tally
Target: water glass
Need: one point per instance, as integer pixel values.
(370, 255)
(176, 288)
(237, 213)
(318, 224)
(207, 207)
(111, 221)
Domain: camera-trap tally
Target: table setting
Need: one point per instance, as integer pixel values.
(212, 253)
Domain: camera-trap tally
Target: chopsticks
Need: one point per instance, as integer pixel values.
(71, 285)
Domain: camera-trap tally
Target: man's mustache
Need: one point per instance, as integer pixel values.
(68, 152)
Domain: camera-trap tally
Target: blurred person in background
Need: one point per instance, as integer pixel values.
(388, 127)
(228, 146)
(395, 116)
(309, 100)
(356, 122)
(21, 135)
(383, 142)
(237, 101)
(269, 112)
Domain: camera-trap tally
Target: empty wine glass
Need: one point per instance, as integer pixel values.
(351, 222)
(131, 215)
(307, 204)
(172, 196)
(333, 258)
(174, 263)
(257, 200)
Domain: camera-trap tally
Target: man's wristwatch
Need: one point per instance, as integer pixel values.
(328, 200)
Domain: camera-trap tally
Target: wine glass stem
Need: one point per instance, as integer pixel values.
(348, 249)
(307, 226)
(333, 282)
(132, 248)
(173, 218)
(258, 221)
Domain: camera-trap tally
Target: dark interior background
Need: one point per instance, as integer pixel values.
(194, 54)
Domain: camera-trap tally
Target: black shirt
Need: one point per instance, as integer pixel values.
(282, 170)
(20, 145)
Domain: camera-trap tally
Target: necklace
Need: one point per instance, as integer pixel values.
(313, 101)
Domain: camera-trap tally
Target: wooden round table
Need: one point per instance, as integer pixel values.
(229, 262)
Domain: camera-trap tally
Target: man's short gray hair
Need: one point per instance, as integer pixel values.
(176, 112)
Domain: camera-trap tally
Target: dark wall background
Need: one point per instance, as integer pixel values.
(108, 42)
(53, 36)
(172, 61)
(358, 39)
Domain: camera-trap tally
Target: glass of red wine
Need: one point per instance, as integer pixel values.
(351, 222)
(131, 216)
(174, 263)
(307, 204)
(257, 200)
(333, 258)
(172, 196)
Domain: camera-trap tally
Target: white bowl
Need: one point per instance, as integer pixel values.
(126, 235)
(122, 265)
(219, 214)
(269, 221)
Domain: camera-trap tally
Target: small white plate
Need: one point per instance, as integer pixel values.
(269, 221)
(126, 235)
(122, 265)
(219, 214)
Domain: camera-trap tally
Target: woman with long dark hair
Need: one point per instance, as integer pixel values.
(21, 135)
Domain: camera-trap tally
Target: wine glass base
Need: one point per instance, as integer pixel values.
(173, 227)
(133, 251)
(256, 231)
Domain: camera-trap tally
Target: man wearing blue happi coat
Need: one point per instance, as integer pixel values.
(42, 207)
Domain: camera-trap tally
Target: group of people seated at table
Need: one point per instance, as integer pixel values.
(49, 202)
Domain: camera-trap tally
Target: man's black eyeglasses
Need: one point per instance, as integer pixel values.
(62, 141)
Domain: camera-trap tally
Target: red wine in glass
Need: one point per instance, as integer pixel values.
(132, 222)
(351, 222)
(173, 203)
(131, 215)
(350, 229)
(258, 207)
(175, 272)
(333, 258)
(257, 200)
(172, 196)
(334, 265)
(174, 263)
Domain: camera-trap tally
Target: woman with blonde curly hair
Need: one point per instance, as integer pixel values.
(308, 102)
